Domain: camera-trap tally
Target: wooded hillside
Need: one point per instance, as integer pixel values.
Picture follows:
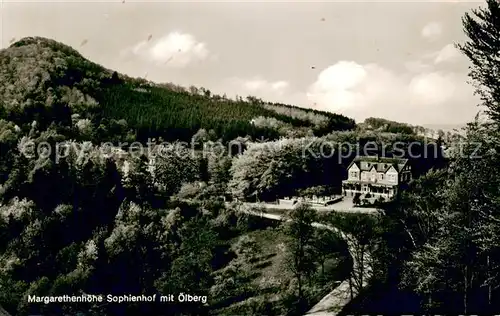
(47, 81)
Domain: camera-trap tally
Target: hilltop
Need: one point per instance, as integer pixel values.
(50, 82)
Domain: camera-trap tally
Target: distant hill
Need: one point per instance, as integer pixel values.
(432, 131)
(385, 126)
(445, 127)
(47, 81)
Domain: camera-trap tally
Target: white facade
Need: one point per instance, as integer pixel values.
(378, 178)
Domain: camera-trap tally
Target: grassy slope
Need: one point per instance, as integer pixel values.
(270, 277)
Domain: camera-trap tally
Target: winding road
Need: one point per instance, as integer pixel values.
(333, 302)
(337, 207)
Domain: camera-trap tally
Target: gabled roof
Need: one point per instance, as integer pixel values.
(382, 164)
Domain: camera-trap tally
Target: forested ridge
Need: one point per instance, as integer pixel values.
(48, 81)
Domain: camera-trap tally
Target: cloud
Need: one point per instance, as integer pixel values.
(176, 50)
(279, 85)
(432, 30)
(361, 91)
(259, 86)
(341, 76)
(447, 54)
(432, 89)
(268, 90)
(417, 66)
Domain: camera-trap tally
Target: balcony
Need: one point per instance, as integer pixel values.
(384, 182)
(371, 181)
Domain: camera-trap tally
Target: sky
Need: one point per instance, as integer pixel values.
(395, 60)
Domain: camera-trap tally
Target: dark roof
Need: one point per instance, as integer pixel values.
(381, 164)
